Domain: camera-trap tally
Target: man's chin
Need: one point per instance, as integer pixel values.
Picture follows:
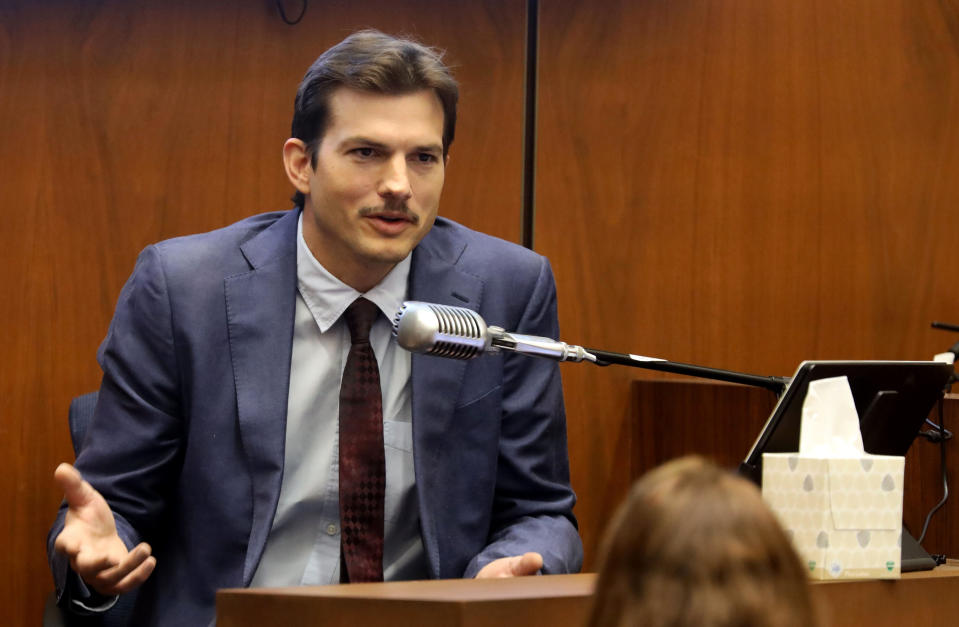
(390, 251)
(387, 256)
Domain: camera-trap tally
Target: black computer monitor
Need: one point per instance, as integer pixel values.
(892, 398)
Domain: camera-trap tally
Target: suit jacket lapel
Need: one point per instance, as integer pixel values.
(436, 382)
(260, 310)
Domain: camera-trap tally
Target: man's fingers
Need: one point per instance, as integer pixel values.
(68, 544)
(88, 565)
(137, 577)
(109, 577)
(526, 564)
(76, 491)
(89, 538)
(515, 566)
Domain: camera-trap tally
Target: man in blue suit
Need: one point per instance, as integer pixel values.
(212, 459)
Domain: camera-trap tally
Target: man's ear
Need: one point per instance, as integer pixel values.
(297, 163)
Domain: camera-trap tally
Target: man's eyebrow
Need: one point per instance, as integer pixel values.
(429, 148)
(365, 141)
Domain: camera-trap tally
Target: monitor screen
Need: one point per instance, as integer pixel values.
(892, 398)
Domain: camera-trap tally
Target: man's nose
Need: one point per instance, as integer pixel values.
(396, 180)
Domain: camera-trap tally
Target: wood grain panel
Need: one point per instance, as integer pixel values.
(529, 601)
(916, 599)
(743, 184)
(129, 122)
(719, 421)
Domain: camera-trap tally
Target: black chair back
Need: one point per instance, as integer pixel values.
(81, 412)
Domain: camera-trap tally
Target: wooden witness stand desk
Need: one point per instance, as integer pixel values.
(669, 419)
(549, 600)
(559, 600)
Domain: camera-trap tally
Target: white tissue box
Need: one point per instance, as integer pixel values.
(844, 515)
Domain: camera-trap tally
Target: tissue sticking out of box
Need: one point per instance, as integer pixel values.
(830, 424)
(841, 506)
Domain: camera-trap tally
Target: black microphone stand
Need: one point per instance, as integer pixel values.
(945, 326)
(776, 384)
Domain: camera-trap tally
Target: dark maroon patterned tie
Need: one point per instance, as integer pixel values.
(362, 463)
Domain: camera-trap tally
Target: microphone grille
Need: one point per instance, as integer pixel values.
(460, 325)
(442, 330)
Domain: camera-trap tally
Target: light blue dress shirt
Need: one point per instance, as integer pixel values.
(304, 543)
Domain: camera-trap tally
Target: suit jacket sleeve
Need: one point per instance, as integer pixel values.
(134, 437)
(533, 502)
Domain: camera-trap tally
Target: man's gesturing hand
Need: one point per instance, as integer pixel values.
(516, 566)
(89, 538)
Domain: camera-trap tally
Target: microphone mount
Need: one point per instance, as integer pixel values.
(536, 346)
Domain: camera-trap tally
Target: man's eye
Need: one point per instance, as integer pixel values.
(364, 152)
(426, 157)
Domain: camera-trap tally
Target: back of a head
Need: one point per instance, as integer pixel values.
(694, 545)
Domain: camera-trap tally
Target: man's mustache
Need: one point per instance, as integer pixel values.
(399, 211)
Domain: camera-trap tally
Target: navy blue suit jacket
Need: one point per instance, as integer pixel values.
(187, 443)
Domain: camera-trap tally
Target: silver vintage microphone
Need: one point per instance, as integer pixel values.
(461, 333)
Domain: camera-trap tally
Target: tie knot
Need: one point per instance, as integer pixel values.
(360, 316)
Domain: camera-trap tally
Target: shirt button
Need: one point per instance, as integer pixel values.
(331, 529)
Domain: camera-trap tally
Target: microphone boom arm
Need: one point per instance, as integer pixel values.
(605, 358)
(460, 333)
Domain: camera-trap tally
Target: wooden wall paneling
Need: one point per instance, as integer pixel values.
(672, 418)
(742, 184)
(126, 123)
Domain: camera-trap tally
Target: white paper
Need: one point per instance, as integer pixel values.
(946, 358)
(830, 424)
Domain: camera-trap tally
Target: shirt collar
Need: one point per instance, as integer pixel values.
(327, 297)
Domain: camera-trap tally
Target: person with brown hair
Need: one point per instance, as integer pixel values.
(696, 546)
(258, 426)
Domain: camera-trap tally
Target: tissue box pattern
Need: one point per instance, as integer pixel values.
(844, 515)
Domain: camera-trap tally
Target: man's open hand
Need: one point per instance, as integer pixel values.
(89, 538)
(516, 566)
